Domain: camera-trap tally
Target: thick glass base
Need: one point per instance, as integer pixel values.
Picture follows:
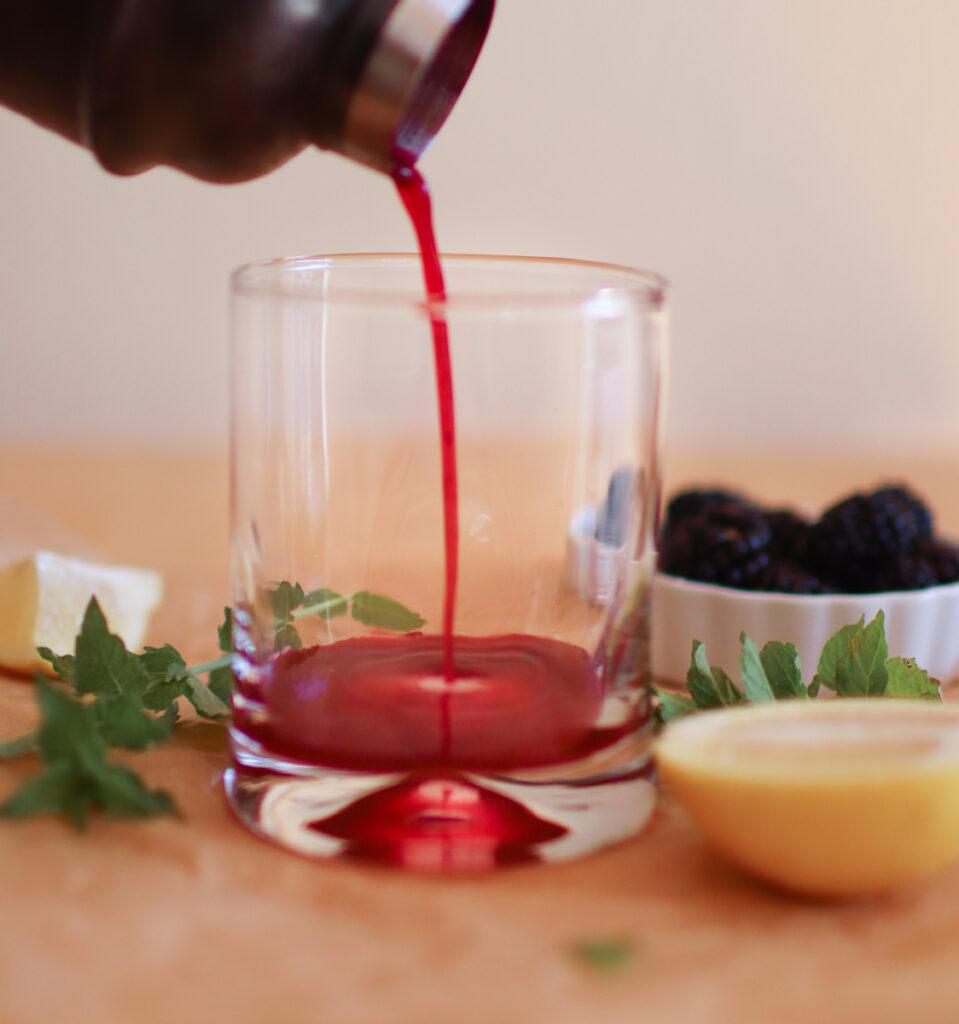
(441, 820)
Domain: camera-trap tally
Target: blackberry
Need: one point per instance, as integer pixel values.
(726, 544)
(693, 502)
(790, 531)
(856, 538)
(943, 557)
(783, 577)
(908, 572)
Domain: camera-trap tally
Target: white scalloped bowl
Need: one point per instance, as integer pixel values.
(920, 624)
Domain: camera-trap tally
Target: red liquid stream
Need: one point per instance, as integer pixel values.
(415, 196)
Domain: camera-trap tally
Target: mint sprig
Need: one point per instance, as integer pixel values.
(108, 697)
(606, 955)
(854, 662)
(77, 777)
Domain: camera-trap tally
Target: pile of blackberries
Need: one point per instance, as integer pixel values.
(866, 543)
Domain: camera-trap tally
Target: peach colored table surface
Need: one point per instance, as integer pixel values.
(195, 920)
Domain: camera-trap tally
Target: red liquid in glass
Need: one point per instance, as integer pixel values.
(384, 703)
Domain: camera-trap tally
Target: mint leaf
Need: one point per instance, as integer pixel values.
(165, 669)
(62, 664)
(126, 685)
(323, 602)
(17, 747)
(812, 690)
(224, 633)
(783, 670)
(123, 722)
(385, 613)
(103, 664)
(605, 955)
(68, 730)
(699, 680)
(672, 705)
(728, 690)
(709, 687)
(836, 649)
(205, 699)
(287, 636)
(907, 679)
(285, 598)
(221, 685)
(59, 790)
(77, 777)
(171, 677)
(862, 672)
(121, 793)
(755, 683)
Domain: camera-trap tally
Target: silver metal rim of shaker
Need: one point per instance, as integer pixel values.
(379, 118)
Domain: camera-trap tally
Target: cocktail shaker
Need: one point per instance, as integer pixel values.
(226, 90)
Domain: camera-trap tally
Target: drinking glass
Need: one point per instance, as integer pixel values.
(351, 737)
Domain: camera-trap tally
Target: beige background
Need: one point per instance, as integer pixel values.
(790, 164)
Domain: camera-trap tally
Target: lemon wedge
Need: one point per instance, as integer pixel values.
(835, 798)
(43, 598)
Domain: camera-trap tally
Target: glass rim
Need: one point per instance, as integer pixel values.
(258, 279)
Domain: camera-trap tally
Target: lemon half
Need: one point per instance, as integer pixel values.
(43, 598)
(836, 798)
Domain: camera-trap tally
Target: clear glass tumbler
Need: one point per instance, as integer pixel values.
(351, 736)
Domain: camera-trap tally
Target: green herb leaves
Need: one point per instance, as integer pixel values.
(109, 697)
(77, 777)
(604, 955)
(384, 613)
(854, 662)
(289, 602)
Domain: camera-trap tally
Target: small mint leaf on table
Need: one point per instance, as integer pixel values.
(121, 793)
(77, 777)
(384, 613)
(671, 706)
(604, 955)
(68, 730)
(59, 790)
(709, 687)
(780, 662)
(835, 650)
(862, 671)
(755, 682)
(907, 679)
